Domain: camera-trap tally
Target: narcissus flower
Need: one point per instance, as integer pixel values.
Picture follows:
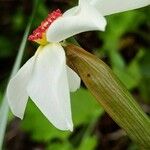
(45, 77)
(77, 19)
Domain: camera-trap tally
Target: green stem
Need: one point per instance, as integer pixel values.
(4, 109)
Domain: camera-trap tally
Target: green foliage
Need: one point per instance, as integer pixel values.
(5, 46)
(84, 109)
(38, 126)
(59, 146)
(118, 26)
(88, 143)
(145, 75)
(130, 74)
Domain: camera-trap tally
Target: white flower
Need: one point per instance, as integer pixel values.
(45, 77)
(47, 80)
(77, 19)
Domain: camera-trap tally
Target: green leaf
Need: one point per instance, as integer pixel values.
(129, 74)
(60, 146)
(5, 46)
(118, 25)
(84, 107)
(111, 94)
(88, 143)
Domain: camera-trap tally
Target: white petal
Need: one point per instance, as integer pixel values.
(74, 80)
(83, 2)
(107, 7)
(16, 90)
(74, 10)
(85, 18)
(48, 87)
(71, 12)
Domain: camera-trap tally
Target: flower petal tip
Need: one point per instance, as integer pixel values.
(21, 116)
(13, 110)
(71, 130)
(70, 127)
(67, 127)
(103, 27)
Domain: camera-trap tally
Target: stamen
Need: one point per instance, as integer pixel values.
(38, 34)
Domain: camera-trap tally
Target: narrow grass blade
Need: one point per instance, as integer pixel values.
(111, 94)
(4, 109)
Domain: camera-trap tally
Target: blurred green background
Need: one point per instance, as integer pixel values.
(125, 47)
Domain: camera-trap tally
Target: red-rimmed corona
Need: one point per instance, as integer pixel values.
(39, 34)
